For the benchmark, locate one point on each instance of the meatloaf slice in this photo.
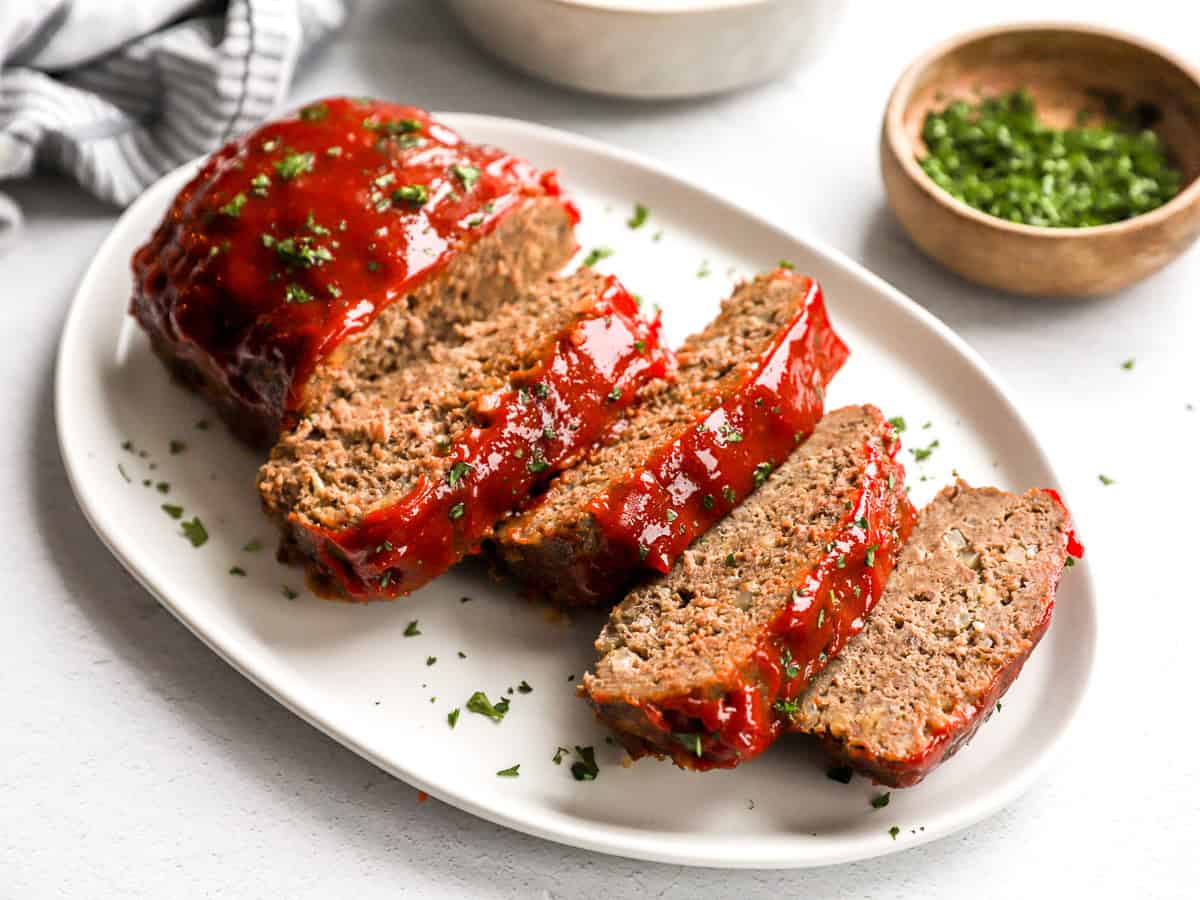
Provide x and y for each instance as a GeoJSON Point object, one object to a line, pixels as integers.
{"type": "Point", "coordinates": [703, 664]}
{"type": "Point", "coordinates": [750, 387]}
{"type": "Point", "coordinates": [970, 597]}
{"type": "Point", "coordinates": [351, 232]}
{"type": "Point", "coordinates": [397, 476]}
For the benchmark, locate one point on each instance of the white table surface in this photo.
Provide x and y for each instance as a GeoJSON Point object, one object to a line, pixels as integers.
{"type": "Point", "coordinates": [133, 762]}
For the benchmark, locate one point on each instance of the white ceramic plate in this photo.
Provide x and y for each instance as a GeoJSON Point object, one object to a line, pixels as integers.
{"type": "Point", "coordinates": [350, 670]}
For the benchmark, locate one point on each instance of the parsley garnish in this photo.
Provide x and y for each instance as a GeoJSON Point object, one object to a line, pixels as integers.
{"type": "Point", "coordinates": [595, 255]}
{"type": "Point", "coordinates": [314, 113]}
{"type": "Point", "coordinates": [923, 453]}
{"type": "Point", "coordinates": [898, 423]}
{"type": "Point", "coordinates": [294, 164]}
{"type": "Point", "coordinates": [1105, 480]}
{"type": "Point", "coordinates": [195, 531]}
{"type": "Point", "coordinates": [510, 772]}
{"type": "Point", "coordinates": [761, 472]}
{"type": "Point", "coordinates": [787, 264]}
{"type": "Point", "coordinates": [234, 207]}
{"type": "Point", "coordinates": [707, 501]}
{"type": "Point", "coordinates": [237, 570]}
{"type": "Point", "coordinates": [430, 660]}
{"type": "Point", "coordinates": [457, 511]}
{"type": "Point", "coordinates": [302, 252]}
{"type": "Point", "coordinates": [536, 464]}
{"type": "Point", "coordinates": [704, 271]}
{"type": "Point", "coordinates": [172, 510]}
{"type": "Point", "coordinates": [790, 668]}
{"type": "Point", "coordinates": [296, 294]}
{"type": "Point", "coordinates": [893, 831]}
{"type": "Point", "coordinates": [289, 593]}
{"type": "Point", "coordinates": [412, 629]}
{"type": "Point", "coordinates": [787, 708]}
{"type": "Point", "coordinates": [881, 801]}
{"type": "Point", "coordinates": [861, 522]}
{"type": "Point", "coordinates": [524, 687]}
{"type": "Point", "coordinates": [467, 175]}
{"type": "Point", "coordinates": [730, 560]}
{"type": "Point", "coordinates": [452, 717]}
{"type": "Point", "coordinates": [413, 194]}
{"type": "Point", "coordinates": [479, 703]}
{"type": "Point", "coordinates": [559, 753]}
{"type": "Point", "coordinates": [615, 394]}
{"type": "Point", "coordinates": [1128, 364]}
{"type": "Point", "coordinates": [870, 557]}
{"type": "Point", "coordinates": [821, 617]}
{"type": "Point", "coordinates": [638, 219]}
{"type": "Point", "coordinates": [840, 774]}
{"type": "Point", "coordinates": [176, 447]}
{"type": "Point", "coordinates": [260, 184]}
{"type": "Point", "coordinates": [124, 474]}
{"type": "Point", "coordinates": [585, 768]}
{"type": "Point", "coordinates": [728, 493]}
{"type": "Point", "coordinates": [691, 741]}
{"type": "Point", "coordinates": [457, 472]}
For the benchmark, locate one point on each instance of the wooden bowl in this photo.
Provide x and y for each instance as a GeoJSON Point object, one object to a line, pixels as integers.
{"type": "Point", "coordinates": [1062, 66]}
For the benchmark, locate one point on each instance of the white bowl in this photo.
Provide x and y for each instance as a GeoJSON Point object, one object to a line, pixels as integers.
{"type": "Point", "coordinates": [651, 49]}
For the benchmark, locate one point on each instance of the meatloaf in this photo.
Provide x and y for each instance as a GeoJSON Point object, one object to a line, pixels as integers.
{"type": "Point", "coordinates": [399, 474]}
{"type": "Point", "coordinates": [703, 664]}
{"type": "Point", "coordinates": [969, 599]}
{"type": "Point", "coordinates": [352, 234]}
{"type": "Point", "coordinates": [749, 388]}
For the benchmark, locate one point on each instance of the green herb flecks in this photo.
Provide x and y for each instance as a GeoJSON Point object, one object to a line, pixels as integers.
{"type": "Point", "coordinates": [295, 293]}
{"type": "Point", "coordinates": [314, 112]}
{"type": "Point", "coordinates": [479, 703]}
{"type": "Point", "coordinates": [452, 717]}
{"type": "Point", "coordinates": [881, 800]}
{"type": "Point", "coordinates": [233, 208]}
{"type": "Point", "coordinates": [639, 217]}
{"type": "Point", "coordinates": [1127, 365]}
{"type": "Point", "coordinates": [559, 754]}
{"type": "Point", "coordinates": [411, 194]}
{"type": "Point", "coordinates": [997, 157]}
{"type": "Point", "coordinates": [524, 687]}
{"type": "Point", "coordinates": [705, 270]}
{"type": "Point", "coordinates": [761, 473]}
{"type": "Point", "coordinates": [172, 510]}
{"type": "Point", "coordinates": [894, 831]}
{"type": "Point", "coordinates": [595, 255]}
{"type": "Point", "coordinates": [467, 176]}
{"type": "Point", "coordinates": [790, 667]}
{"type": "Point", "coordinates": [294, 164]}
{"type": "Point", "coordinates": [585, 768]}
{"type": "Point", "coordinates": [458, 472]}
{"type": "Point", "coordinates": [1105, 480]}
{"type": "Point", "coordinates": [412, 629]}
{"type": "Point", "coordinates": [692, 741]}
{"type": "Point", "coordinates": [195, 531]}
{"type": "Point", "coordinates": [510, 772]}
{"type": "Point", "coordinates": [238, 571]}
{"type": "Point", "coordinates": [302, 252]}
{"type": "Point", "coordinates": [260, 184]}
{"type": "Point", "coordinates": [920, 454]}
{"type": "Point", "coordinates": [870, 557]}
{"type": "Point", "coordinates": [787, 708]}
{"type": "Point", "coordinates": [898, 423]}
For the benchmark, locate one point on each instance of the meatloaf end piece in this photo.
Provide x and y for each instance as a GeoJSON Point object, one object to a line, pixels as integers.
{"type": "Point", "coordinates": [703, 664]}
{"type": "Point", "coordinates": [354, 232]}
{"type": "Point", "coordinates": [969, 599]}
{"type": "Point", "coordinates": [394, 477]}
{"type": "Point", "coordinates": [749, 388]}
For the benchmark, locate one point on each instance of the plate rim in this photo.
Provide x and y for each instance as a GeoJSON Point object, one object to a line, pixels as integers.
{"type": "Point", "coordinates": [800, 851]}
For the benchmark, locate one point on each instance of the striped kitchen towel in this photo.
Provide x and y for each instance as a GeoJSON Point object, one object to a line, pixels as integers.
{"type": "Point", "coordinates": [118, 92]}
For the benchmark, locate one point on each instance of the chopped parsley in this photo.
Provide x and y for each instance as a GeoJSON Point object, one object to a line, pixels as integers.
{"type": "Point", "coordinates": [639, 217]}
{"type": "Point", "coordinates": [761, 472]}
{"type": "Point", "coordinates": [1070, 561]}
{"type": "Point", "coordinates": [294, 164]}
{"type": "Point", "coordinates": [412, 629]}
{"type": "Point", "coordinates": [894, 831]}
{"type": "Point", "coordinates": [176, 447]}
{"type": "Point", "coordinates": [840, 774]}
{"type": "Point", "coordinates": [821, 617]}
{"type": "Point", "coordinates": [614, 395]}
{"type": "Point", "coordinates": [302, 252]}
{"type": "Point", "coordinates": [172, 510]}
{"type": "Point", "coordinates": [510, 772]}
{"type": "Point", "coordinates": [704, 271]}
{"type": "Point", "coordinates": [1105, 480]}
{"type": "Point", "coordinates": [314, 113]}
{"type": "Point", "coordinates": [731, 435]}
{"type": "Point", "coordinates": [707, 501]}
{"type": "Point", "coordinates": [923, 453]}
{"type": "Point", "coordinates": [294, 293]}
{"type": "Point", "coordinates": [234, 207]}
{"type": "Point", "coordinates": [790, 668]}
{"type": "Point", "coordinates": [195, 531]}
{"type": "Point", "coordinates": [289, 593]}
{"type": "Point", "coordinates": [787, 708]}
{"type": "Point", "coordinates": [457, 472]}
{"type": "Point", "coordinates": [585, 768]}
{"type": "Point", "coordinates": [524, 687]}
{"type": "Point", "coordinates": [252, 546]}
{"type": "Point", "coordinates": [452, 717]}
{"type": "Point", "coordinates": [898, 423]}
{"type": "Point", "coordinates": [237, 570]}
{"type": "Point", "coordinates": [412, 194]}
{"type": "Point", "coordinates": [692, 741]}
{"type": "Point", "coordinates": [882, 800]}
{"type": "Point", "coordinates": [861, 522]}
{"type": "Point", "coordinates": [1128, 364]}
{"type": "Point", "coordinates": [467, 175]}
{"type": "Point", "coordinates": [595, 255]}
{"type": "Point", "coordinates": [537, 463]}
{"type": "Point", "coordinates": [787, 264]}
{"type": "Point", "coordinates": [728, 493]}
{"type": "Point", "coordinates": [479, 703]}
{"type": "Point", "coordinates": [731, 560]}
{"type": "Point", "coordinates": [457, 511]}
{"type": "Point", "coordinates": [124, 474]}
{"type": "Point", "coordinates": [841, 561]}
{"type": "Point", "coordinates": [870, 557]}
{"type": "Point", "coordinates": [260, 184]}
{"type": "Point", "coordinates": [559, 754]}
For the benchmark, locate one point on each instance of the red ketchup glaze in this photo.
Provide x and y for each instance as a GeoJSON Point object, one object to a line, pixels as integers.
{"type": "Point", "coordinates": [690, 483]}
{"type": "Point", "coordinates": [296, 236]}
{"type": "Point", "coordinates": [551, 412]}
{"type": "Point", "coordinates": [828, 606]}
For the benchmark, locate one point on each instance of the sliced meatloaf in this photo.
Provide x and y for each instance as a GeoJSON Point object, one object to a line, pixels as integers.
{"type": "Point", "coordinates": [703, 664]}
{"type": "Point", "coordinates": [397, 475]}
{"type": "Point", "coordinates": [749, 388]}
{"type": "Point", "coordinates": [351, 234]}
{"type": "Point", "coordinates": [970, 597]}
